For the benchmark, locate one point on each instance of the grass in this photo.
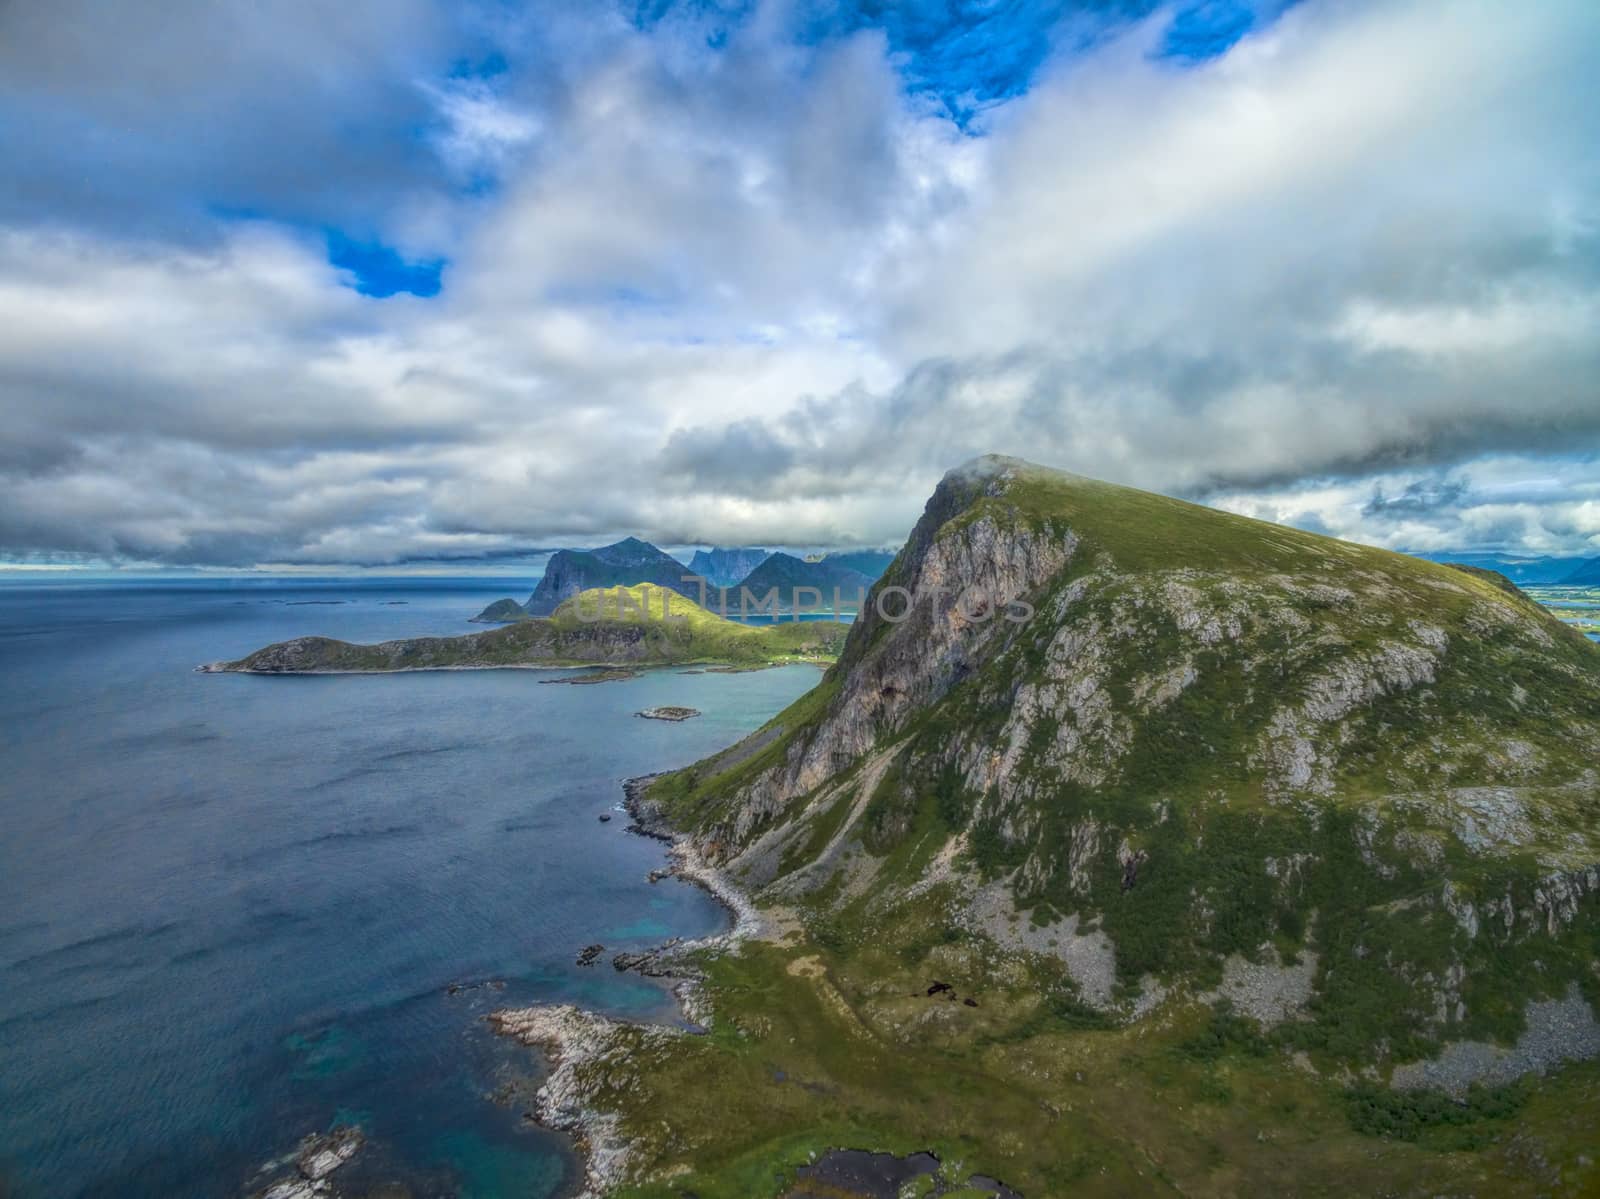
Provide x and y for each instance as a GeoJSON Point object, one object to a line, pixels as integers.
{"type": "Point", "coordinates": [847, 1052]}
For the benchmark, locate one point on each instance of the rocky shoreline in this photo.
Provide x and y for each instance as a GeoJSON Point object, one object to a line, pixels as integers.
{"type": "Point", "coordinates": [574, 1039]}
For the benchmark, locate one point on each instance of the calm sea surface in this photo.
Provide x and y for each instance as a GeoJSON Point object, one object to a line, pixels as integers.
{"type": "Point", "coordinates": [232, 908]}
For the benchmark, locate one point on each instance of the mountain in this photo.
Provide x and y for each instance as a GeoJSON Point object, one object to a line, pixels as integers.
{"type": "Point", "coordinates": [619, 626]}
{"type": "Point", "coordinates": [725, 567]}
{"type": "Point", "coordinates": [1155, 850]}
{"type": "Point", "coordinates": [621, 564]}
{"type": "Point", "coordinates": [1188, 684]}
{"type": "Point", "coordinates": [871, 563]}
{"type": "Point", "coordinates": [1587, 575]}
{"type": "Point", "coordinates": [783, 574]}
{"type": "Point", "coordinates": [502, 611]}
{"type": "Point", "coordinates": [1521, 569]}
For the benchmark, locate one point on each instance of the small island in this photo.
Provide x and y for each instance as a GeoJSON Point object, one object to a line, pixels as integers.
{"type": "Point", "coordinates": [502, 611]}
{"type": "Point", "coordinates": [669, 712]}
{"type": "Point", "coordinates": [620, 627]}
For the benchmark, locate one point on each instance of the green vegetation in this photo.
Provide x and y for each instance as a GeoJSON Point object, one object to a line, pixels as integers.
{"type": "Point", "coordinates": [619, 626]}
{"type": "Point", "coordinates": [1418, 1115]}
{"type": "Point", "coordinates": [815, 1050]}
{"type": "Point", "coordinates": [1220, 745]}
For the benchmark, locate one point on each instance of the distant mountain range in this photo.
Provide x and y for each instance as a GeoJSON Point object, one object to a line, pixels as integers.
{"type": "Point", "coordinates": [871, 563]}
{"type": "Point", "coordinates": [1537, 572]}
{"type": "Point", "coordinates": [785, 575]}
{"type": "Point", "coordinates": [723, 567]}
{"type": "Point", "coordinates": [1587, 574]}
{"type": "Point", "coordinates": [631, 561]}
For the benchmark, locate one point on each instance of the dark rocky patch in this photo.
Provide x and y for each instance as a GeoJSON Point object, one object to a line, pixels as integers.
{"type": "Point", "coordinates": [859, 1174]}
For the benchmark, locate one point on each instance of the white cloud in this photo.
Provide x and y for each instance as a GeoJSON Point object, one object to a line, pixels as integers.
{"type": "Point", "coordinates": [762, 294]}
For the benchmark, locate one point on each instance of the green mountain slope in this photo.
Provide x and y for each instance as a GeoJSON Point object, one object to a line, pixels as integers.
{"type": "Point", "coordinates": [1198, 700]}
{"type": "Point", "coordinates": [619, 626]}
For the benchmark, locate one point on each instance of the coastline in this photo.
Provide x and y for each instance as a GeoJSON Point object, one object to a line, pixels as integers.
{"type": "Point", "coordinates": [574, 1038]}
{"type": "Point", "coordinates": [227, 667]}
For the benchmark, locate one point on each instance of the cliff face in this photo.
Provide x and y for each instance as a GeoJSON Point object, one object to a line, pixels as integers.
{"type": "Point", "coordinates": [1191, 745]}
{"type": "Point", "coordinates": [622, 564]}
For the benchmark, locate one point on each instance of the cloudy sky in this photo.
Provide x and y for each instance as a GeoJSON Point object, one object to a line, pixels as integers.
{"type": "Point", "coordinates": [401, 281]}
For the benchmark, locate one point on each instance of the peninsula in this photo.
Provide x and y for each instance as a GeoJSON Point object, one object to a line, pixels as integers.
{"type": "Point", "coordinates": [634, 626]}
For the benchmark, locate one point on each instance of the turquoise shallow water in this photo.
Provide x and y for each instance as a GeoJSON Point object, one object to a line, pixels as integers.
{"type": "Point", "coordinates": [232, 908]}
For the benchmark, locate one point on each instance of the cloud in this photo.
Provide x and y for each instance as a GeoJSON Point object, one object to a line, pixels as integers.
{"type": "Point", "coordinates": [706, 279]}
{"type": "Point", "coordinates": [121, 117]}
{"type": "Point", "coordinates": [1499, 503]}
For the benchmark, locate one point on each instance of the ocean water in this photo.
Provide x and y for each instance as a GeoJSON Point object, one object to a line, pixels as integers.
{"type": "Point", "coordinates": [232, 908]}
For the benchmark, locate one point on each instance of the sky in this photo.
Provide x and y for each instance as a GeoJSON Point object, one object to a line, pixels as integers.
{"type": "Point", "coordinates": [403, 283]}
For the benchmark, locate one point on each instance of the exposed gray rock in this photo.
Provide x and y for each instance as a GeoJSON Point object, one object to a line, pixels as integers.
{"type": "Point", "coordinates": [1269, 991]}
{"type": "Point", "coordinates": [1558, 1030]}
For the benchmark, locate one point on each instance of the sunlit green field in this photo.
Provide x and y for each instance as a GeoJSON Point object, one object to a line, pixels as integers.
{"type": "Point", "coordinates": [1577, 606]}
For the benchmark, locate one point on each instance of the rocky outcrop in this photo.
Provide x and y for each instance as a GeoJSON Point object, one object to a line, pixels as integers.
{"type": "Point", "coordinates": [313, 1166]}
{"type": "Point", "coordinates": [669, 712]}
{"type": "Point", "coordinates": [580, 1046]}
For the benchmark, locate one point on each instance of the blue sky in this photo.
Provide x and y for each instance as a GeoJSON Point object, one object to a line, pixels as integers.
{"type": "Point", "coordinates": [406, 281]}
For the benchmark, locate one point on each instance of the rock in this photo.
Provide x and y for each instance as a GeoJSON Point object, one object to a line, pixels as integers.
{"type": "Point", "coordinates": [669, 712]}
{"type": "Point", "coordinates": [588, 955]}
{"type": "Point", "coordinates": [605, 817]}
{"type": "Point", "coordinates": [325, 1154]}
{"type": "Point", "coordinates": [660, 962]}
{"type": "Point", "coordinates": [315, 1159]}
{"type": "Point", "coordinates": [295, 1188]}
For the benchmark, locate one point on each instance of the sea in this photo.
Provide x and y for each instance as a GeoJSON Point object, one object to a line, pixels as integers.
{"type": "Point", "coordinates": [235, 910]}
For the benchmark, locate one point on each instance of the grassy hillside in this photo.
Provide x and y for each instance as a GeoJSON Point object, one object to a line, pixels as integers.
{"type": "Point", "coordinates": [618, 626]}
{"type": "Point", "coordinates": [1252, 849]}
